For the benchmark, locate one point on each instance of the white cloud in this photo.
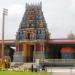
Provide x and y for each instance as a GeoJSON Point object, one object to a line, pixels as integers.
{"type": "Point", "coordinates": [16, 9]}
{"type": "Point", "coordinates": [73, 3]}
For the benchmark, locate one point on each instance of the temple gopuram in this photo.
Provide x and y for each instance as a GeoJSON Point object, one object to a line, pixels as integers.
{"type": "Point", "coordinates": [32, 36]}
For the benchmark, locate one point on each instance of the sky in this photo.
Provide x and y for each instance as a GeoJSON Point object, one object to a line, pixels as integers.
{"type": "Point", "coordinates": [59, 16]}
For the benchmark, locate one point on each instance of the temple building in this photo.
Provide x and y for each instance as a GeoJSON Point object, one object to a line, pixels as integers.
{"type": "Point", "coordinates": [32, 36]}
{"type": "Point", "coordinates": [33, 39]}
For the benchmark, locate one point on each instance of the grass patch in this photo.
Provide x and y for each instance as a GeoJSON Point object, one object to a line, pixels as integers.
{"type": "Point", "coordinates": [23, 73]}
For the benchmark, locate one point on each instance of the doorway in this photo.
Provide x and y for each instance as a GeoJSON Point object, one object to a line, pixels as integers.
{"type": "Point", "coordinates": [31, 55]}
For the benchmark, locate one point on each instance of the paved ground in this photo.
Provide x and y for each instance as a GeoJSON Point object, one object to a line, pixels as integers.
{"type": "Point", "coordinates": [63, 73]}
{"type": "Point", "coordinates": [62, 70]}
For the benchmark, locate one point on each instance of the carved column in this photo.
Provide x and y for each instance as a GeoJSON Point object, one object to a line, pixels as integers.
{"type": "Point", "coordinates": [43, 50]}
{"type": "Point", "coordinates": [34, 52]}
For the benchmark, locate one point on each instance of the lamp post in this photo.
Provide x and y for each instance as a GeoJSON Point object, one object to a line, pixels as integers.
{"type": "Point", "coordinates": [3, 25]}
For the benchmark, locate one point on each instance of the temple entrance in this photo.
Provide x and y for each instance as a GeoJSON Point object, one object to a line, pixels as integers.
{"type": "Point", "coordinates": [31, 55]}
{"type": "Point", "coordinates": [28, 52]}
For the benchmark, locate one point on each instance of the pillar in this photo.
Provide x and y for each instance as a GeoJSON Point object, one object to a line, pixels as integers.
{"type": "Point", "coordinates": [0, 50]}
{"type": "Point", "coordinates": [43, 49]}
{"type": "Point", "coordinates": [34, 52]}
{"type": "Point", "coordinates": [24, 52]}
{"type": "Point", "coordinates": [17, 46]}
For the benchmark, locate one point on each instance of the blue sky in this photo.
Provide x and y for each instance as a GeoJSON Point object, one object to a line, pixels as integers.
{"type": "Point", "coordinates": [59, 16]}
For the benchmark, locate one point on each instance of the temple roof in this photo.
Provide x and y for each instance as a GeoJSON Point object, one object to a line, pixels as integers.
{"type": "Point", "coordinates": [61, 41]}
